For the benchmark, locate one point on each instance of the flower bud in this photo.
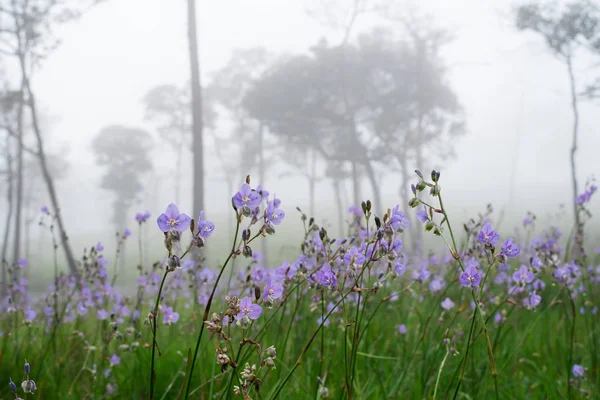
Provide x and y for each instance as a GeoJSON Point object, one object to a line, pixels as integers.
{"type": "Point", "coordinates": [419, 174]}
{"type": "Point", "coordinates": [421, 186]}
{"type": "Point", "coordinates": [414, 202]}
{"type": "Point", "coordinates": [27, 368]}
{"type": "Point", "coordinates": [12, 386]}
{"type": "Point", "coordinates": [429, 226]}
{"type": "Point", "coordinates": [247, 252]}
{"type": "Point", "coordinates": [435, 176]}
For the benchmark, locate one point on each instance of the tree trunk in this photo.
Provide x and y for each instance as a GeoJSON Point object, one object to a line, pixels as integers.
{"type": "Point", "coordinates": [578, 251]}
{"type": "Point", "coordinates": [9, 212]}
{"type": "Point", "coordinates": [46, 173]}
{"type": "Point", "coordinates": [338, 205]}
{"type": "Point", "coordinates": [375, 187]}
{"type": "Point", "coordinates": [197, 136]}
{"type": "Point", "coordinates": [19, 187]}
{"type": "Point", "coordinates": [261, 179]}
{"type": "Point", "coordinates": [355, 184]}
{"type": "Point", "coordinates": [312, 180]}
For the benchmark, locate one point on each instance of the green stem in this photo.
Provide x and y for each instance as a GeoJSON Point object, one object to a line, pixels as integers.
{"type": "Point", "coordinates": [439, 374]}
{"type": "Point", "coordinates": [207, 308]}
{"type": "Point", "coordinates": [154, 318]}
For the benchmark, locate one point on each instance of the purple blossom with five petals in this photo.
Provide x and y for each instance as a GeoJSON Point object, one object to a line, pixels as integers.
{"type": "Point", "coordinates": [273, 214]}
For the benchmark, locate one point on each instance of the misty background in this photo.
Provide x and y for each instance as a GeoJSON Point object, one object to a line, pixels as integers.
{"type": "Point", "coordinates": [122, 58]}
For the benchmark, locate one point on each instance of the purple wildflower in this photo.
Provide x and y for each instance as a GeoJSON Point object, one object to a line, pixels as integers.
{"type": "Point", "coordinates": [246, 197]}
{"type": "Point", "coordinates": [170, 316]}
{"type": "Point", "coordinates": [533, 300]}
{"type": "Point", "coordinates": [470, 277]}
{"type": "Point", "coordinates": [114, 360]}
{"type": "Point", "coordinates": [402, 329]}
{"type": "Point", "coordinates": [510, 249]}
{"type": "Point", "coordinates": [447, 304]}
{"type": "Point", "coordinates": [173, 219]}
{"type": "Point", "coordinates": [398, 219]}
{"type": "Point", "coordinates": [578, 370]}
{"type": "Point", "coordinates": [487, 235]}
{"type": "Point", "coordinates": [248, 309]}
{"type": "Point", "coordinates": [273, 214]}
{"type": "Point", "coordinates": [422, 215]}
{"type": "Point", "coordinates": [142, 217]}
{"type": "Point", "coordinates": [523, 276]}
{"type": "Point", "coordinates": [273, 290]}
{"type": "Point", "coordinates": [205, 228]}
{"type": "Point", "coordinates": [354, 256]}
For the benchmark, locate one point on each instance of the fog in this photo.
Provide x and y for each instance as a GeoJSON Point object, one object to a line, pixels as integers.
{"type": "Point", "coordinates": [514, 93]}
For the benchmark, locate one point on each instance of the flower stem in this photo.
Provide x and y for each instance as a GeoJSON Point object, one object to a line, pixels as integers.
{"type": "Point", "coordinates": [439, 374]}
{"type": "Point", "coordinates": [208, 304]}
{"type": "Point", "coordinates": [154, 317]}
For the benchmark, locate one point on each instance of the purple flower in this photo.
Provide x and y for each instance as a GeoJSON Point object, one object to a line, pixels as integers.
{"type": "Point", "coordinates": [487, 235]}
{"type": "Point", "coordinates": [170, 316]}
{"type": "Point", "coordinates": [246, 197]}
{"type": "Point", "coordinates": [102, 314]}
{"type": "Point", "coordinates": [509, 249]}
{"type": "Point", "coordinates": [470, 277]}
{"type": "Point", "coordinates": [523, 276]}
{"type": "Point", "coordinates": [45, 210]}
{"type": "Point", "coordinates": [142, 217]}
{"type": "Point", "coordinates": [205, 228]}
{"type": "Point", "coordinates": [402, 329]}
{"type": "Point", "coordinates": [325, 276]}
{"type": "Point", "coordinates": [356, 211]}
{"type": "Point", "coordinates": [99, 247]}
{"type": "Point", "coordinates": [264, 194]}
{"type": "Point", "coordinates": [398, 219]}
{"type": "Point", "coordinates": [353, 255]}
{"type": "Point", "coordinates": [114, 360]}
{"type": "Point", "coordinates": [273, 290]}
{"type": "Point", "coordinates": [248, 309]}
{"type": "Point", "coordinates": [172, 219]}
{"type": "Point", "coordinates": [533, 300]}
{"type": "Point", "coordinates": [273, 214]}
{"type": "Point", "coordinates": [578, 370]}
{"type": "Point", "coordinates": [447, 304]}
{"type": "Point", "coordinates": [422, 215]}
{"type": "Point", "coordinates": [126, 233]}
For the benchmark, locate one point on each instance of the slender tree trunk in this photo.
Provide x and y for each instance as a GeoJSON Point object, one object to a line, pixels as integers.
{"type": "Point", "coordinates": [178, 167]}
{"type": "Point", "coordinates": [46, 172]}
{"type": "Point", "coordinates": [338, 204]}
{"type": "Point", "coordinates": [197, 134]}
{"type": "Point", "coordinates": [355, 184]}
{"type": "Point", "coordinates": [9, 212]}
{"type": "Point", "coordinates": [19, 185]}
{"type": "Point", "coordinates": [374, 186]}
{"type": "Point", "coordinates": [261, 179]}
{"type": "Point", "coordinates": [578, 251]}
{"type": "Point", "coordinates": [312, 180]}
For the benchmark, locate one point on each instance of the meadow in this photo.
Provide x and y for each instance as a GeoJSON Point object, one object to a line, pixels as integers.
{"type": "Point", "coordinates": [356, 317]}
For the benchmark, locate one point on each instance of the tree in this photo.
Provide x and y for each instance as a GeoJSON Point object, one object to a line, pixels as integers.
{"type": "Point", "coordinates": [169, 107]}
{"type": "Point", "coordinates": [124, 151]}
{"type": "Point", "coordinates": [196, 107]}
{"type": "Point", "coordinates": [26, 38]}
{"type": "Point", "coordinates": [567, 30]}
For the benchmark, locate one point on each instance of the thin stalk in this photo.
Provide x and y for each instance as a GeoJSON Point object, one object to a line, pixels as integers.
{"type": "Point", "coordinates": [439, 374]}
{"type": "Point", "coordinates": [154, 318]}
{"type": "Point", "coordinates": [207, 308]}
